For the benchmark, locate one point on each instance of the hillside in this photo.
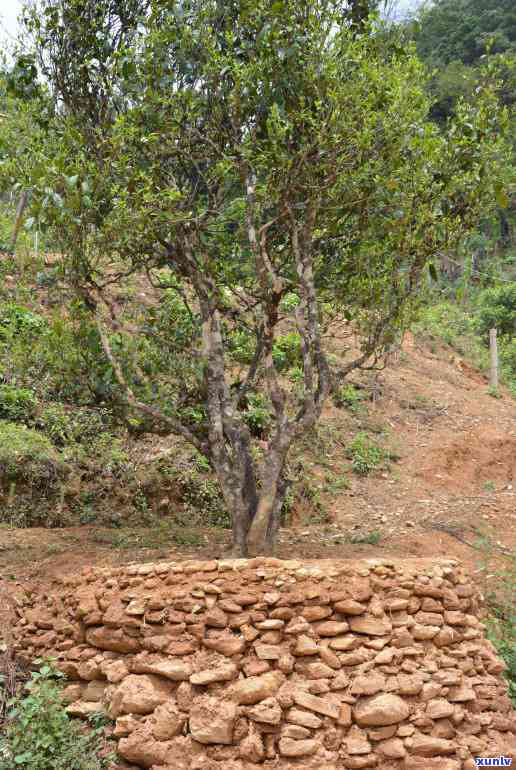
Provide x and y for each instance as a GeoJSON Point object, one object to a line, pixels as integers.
{"type": "Point", "coordinates": [446, 473]}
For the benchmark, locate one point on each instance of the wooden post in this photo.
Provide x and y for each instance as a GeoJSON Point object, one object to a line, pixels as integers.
{"type": "Point", "coordinates": [493, 350]}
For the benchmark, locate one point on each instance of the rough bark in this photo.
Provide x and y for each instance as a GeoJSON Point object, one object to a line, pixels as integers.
{"type": "Point", "coordinates": [20, 211]}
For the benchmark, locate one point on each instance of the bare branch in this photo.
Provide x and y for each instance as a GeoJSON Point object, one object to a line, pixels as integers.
{"type": "Point", "coordinates": [174, 425]}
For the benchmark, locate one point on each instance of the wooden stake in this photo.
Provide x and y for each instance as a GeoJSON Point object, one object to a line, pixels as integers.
{"type": "Point", "coordinates": [493, 350]}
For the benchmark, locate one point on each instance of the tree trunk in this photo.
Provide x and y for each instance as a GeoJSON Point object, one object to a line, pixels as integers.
{"type": "Point", "coordinates": [20, 210]}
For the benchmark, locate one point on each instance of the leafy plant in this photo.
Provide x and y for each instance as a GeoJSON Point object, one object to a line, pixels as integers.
{"type": "Point", "coordinates": [15, 319]}
{"type": "Point", "coordinates": [496, 308]}
{"type": "Point", "coordinates": [349, 396]}
{"type": "Point", "coordinates": [369, 538]}
{"type": "Point", "coordinates": [365, 454]}
{"type": "Point", "coordinates": [498, 568]}
{"type": "Point", "coordinates": [39, 734]}
{"type": "Point", "coordinates": [17, 404]}
{"type": "Point", "coordinates": [286, 352]}
{"type": "Point", "coordinates": [258, 413]}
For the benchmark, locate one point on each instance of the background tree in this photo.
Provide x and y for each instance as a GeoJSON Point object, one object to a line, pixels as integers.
{"type": "Point", "coordinates": [247, 176]}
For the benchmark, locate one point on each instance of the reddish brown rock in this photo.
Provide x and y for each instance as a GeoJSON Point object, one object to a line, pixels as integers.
{"type": "Point", "coordinates": [141, 747]}
{"type": "Point", "coordinates": [166, 721]}
{"type": "Point", "coordinates": [175, 670]}
{"type": "Point", "coordinates": [111, 639]}
{"type": "Point", "coordinates": [252, 748]}
{"type": "Point", "coordinates": [212, 720]}
{"type": "Point", "coordinates": [428, 746]}
{"type": "Point", "coordinates": [319, 705]}
{"type": "Point", "coordinates": [380, 710]}
{"type": "Point", "coordinates": [225, 673]}
{"type": "Point", "coordinates": [226, 645]}
{"type": "Point", "coordinates": [140, 694]}
{"type": "Point", "coordinates": [291, 748]}
{"type": "Point", "coordinates": [350, 607]}
{"type": "Point", "coordinates": [368, 624]}
{"type": "Point", "coordinates": [267, 711]}
{"type": "Point", "coordinates": [331, 628]}
{"type": "Point", "coordinates": [439, 708]}
{"type": "Point", "coordinates": [316, 613]}
{"type": "Point", "coordinates": [256, 688]}
{"type": "Point", "coordinates": [303, 718]}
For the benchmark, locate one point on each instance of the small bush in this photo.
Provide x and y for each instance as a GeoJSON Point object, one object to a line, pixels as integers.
{"type": "Point", "coordinates": [499, 571]}
{"type": "Point", "coordinates": [201, 496]}
{"type": "Point", "coordinates": [369, 538]}
{"type": "Point", "coordinates": [17, 404]}
{"type": "Point", "coordinates": [39, 734]}
{"type": "Point", "coordinates": [29, 457]}
{"type": "Point", "coordinates": [497, 309]}
{"type": "Point", "coordinates": [15, 319]}
{"type": "Point", "coordinates": [350, 397]}
{"type": "Point", "coordinates": [29, 464]}
{"type": "Point", "coordinates": [286, 351]}
{"type": "Point", "coordinates": [365, 455]}
{"type": "Point", "coordinates": [258, 414]}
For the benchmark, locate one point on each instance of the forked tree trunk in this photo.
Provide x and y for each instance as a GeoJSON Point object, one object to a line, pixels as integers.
{"type": "Point", "coordinates": [256, 516]}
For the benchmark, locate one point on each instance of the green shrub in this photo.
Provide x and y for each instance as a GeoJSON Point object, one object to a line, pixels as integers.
{"type": "Point", "coordinates": [289, 302]}
{"type": "Point", "coordinates": [258, 414]}
{"type": "Point", "coordinates": [30, 469]}
{"type": "Point", "coordinates": [286, 351]}
{"type": "Point", "coordinates": [201, 496]}
{"type": "Point", "coordinates": [350, 397]}
{"type": "Point", "coordinates": [369, 538]}
{"type": "Point", "coordinates": [499, 589]}
{"type": "Point", "coordinates": [242, 346]}
{"type": "Point", "coordinates": [15, 319]}
{"type": "Point", "coordinates": [17, 404]}
{"type": "Point", "coordinates": [26, 455]}
{"type": "Point", "coordinates": [39, 734]}
{"type": "Point", "coordinates": [496, 308]}
{"type": "Point", "coordinates": [365, 455]}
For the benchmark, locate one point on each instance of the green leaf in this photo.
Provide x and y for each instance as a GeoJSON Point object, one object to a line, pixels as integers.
{"type": "Point", "coordinates": [432, 271]}
{"type": "Point", "coordinates": [501, 197]}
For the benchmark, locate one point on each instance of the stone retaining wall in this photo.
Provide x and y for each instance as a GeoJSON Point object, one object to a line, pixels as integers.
{"type": "Point", "coordinates": [233, 665]}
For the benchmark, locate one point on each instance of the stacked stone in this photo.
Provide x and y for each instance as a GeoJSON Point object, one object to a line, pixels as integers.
{"type": "Point", "coordinates": [232, 665]}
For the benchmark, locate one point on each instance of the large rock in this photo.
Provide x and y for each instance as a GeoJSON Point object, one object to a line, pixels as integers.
{"type": "Point", "coordinates": [368, 624]}
{"type": "Point", "coordinates": [320, 705]}
{"type": "Point", "coordinates": [224, 673]}
{"type": "Point", "coordinates": [167, 721]}
{"type": "Point", "coordinates": [380, 710]}
{"type": "Point", "coordinates": [439, 708]}
{"type": "Point", "coordinates": [268, 711]}
{"type": "Point", "coordinates": [170, 668]}
{"type": "Point", "coordinates": [254, 689]}
{"type": "Point", "coordinates": [392, 748]}
{"type": "Point", "coordinates": [420, 763]}
{"type": "Point", "coordinates": [303, 719]}
{"type": "Point", "coordinates": [212, 720]}
{"type": "Point", "coordinates": [428, 746]}
{"type": "Point", "coordinates": [291, 748]}
{"type": "Point", "coordinates": [142, 748]}
{"type": "Point", "coordinates": [140, 695]}
{"type": "Point", "coordinates": [112, 639]}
